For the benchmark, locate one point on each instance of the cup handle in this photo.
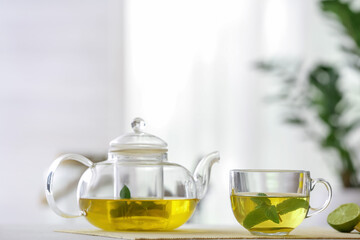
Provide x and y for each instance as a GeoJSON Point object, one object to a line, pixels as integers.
{"type": "Point", "coordinates": [327, 202]}
{"type": "Point", "coordinates": [50, 178]}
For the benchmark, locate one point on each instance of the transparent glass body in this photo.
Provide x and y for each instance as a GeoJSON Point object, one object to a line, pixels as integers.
{"type": "Point", "coordinates": [159, 195]}
{"type": "Point", "coordinates": [144, 179]}
{"type": "Point", "coordinates": [273, 202]}
{"type": "Point", "coordinates": [136, 188]}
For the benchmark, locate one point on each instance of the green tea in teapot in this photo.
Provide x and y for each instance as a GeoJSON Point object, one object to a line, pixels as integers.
{"type": "Point", "coordinates": [269, 213]}
{"type": "Point", "coordinates": [137, 214]}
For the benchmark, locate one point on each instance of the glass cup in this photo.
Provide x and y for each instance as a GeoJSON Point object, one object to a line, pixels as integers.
{"type": "Point", "coordinates": [273, 202]}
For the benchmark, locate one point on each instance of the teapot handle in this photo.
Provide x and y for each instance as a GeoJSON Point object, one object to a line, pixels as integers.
{"type": "Point", "coordinates": [50, 178]}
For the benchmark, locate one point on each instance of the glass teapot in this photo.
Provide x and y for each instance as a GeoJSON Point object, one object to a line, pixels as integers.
{"type": "Point", "coordinates": [136, 188]}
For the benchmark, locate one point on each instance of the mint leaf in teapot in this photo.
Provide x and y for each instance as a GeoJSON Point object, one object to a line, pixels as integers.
{"type": "Point", "coordinates": [125, 193]}
{"type": "Point", "coordinates": [120, 210]}
{"type": "Point", "coordinates": [291, 204]}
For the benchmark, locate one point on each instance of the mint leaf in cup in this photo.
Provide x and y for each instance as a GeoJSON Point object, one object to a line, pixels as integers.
{"type": "Point", "coordinates": [272, 214]}
{"type": "Point", "coordinates": [291, 204]}
{"type": "Point", "coordinates": [265, 211]}
{"type": "Point", "coordinates": [261, 200]}
{"type": "Point", "coordinates": [255, 217]}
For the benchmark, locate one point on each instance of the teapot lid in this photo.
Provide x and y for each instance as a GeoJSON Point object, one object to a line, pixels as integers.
{"type": "Point", "coordinates": [138, 140]}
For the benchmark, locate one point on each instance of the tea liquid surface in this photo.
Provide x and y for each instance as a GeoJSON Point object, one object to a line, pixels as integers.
{"type": "Point", "coordinates": [271, 213]}
{"type": "Point", "coordinates": [137, 214]}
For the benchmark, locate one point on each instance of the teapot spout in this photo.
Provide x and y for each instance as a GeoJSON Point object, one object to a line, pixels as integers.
{"type": "Point", "coordinates": [202, 173]}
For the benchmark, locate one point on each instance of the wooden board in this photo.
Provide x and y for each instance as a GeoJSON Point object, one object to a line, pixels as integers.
{"type": "Point", "coordinates": [219, 233]}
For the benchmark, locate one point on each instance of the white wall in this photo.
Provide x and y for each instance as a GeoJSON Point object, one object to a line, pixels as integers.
{"type": "Point", "coordinates": [60, 78]}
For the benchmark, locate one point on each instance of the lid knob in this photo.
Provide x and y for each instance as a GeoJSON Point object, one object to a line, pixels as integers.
{"type": "Point", "coordinates": [138, 141]}
{"type": "Point", "coordinates": [138, 125]}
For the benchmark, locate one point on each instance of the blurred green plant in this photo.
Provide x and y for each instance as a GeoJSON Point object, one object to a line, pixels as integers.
{"type": "Point", "coordinates": [320, 95]}
{"type": "Point", "coordinates": [349, 22]}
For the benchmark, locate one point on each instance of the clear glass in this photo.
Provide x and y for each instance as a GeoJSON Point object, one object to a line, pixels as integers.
{"type": "Point", "coordinates": [129, 192]}
{"type": "Point", "coordinates": [136, 188]}
{"type": "Point", "coordinates": [159, 196]}
{"type": "Point", "coordinates": [138, 140]}
{"type": "Point", "coordinates": [273, 202]}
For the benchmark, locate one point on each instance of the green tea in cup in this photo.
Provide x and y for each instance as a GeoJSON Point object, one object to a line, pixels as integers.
{"type": "Point", "coordinates": [272, 202]}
